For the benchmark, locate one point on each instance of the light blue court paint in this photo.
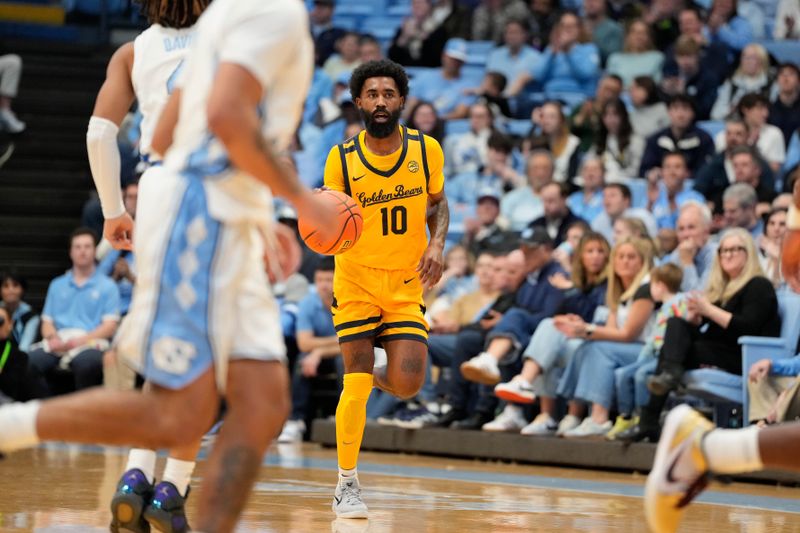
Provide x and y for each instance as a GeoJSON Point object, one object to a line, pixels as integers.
{"type": "Point", "coordinates": [606, 488]}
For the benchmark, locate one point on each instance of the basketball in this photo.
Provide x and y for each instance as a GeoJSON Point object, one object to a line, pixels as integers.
{"type": "Point", "coordinates": [349, 223]}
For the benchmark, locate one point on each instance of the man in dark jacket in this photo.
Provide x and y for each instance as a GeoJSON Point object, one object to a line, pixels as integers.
{"type": "Point", "coordinates": [323, 31]}
{"type": "Point", "coordinates": [536, 299]}
{"type": "Point", "coordinates": [682, 135]}
{"type": "Point", "coordinates": [557, 217]}
{"type": "Point", "coordinates": [716, 175]}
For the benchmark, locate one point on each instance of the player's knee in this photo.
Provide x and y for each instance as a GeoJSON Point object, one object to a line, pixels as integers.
{"type": "Point", "coordinates": [407, 388]}
{"type": "Point", "coordinates": [185, 424]}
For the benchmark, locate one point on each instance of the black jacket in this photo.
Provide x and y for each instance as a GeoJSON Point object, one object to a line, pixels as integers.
{"type": "Point", "coordinates": [566, 222]}
{"type": "Point", "coordinates": [13, 374]}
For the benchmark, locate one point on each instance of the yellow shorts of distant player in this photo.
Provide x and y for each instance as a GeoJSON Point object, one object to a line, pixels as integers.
{"type": "Point", "coordinates": [377, 303]}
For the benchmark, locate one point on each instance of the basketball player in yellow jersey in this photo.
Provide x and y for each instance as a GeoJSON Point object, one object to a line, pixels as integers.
{"type": "Point", "coordinates": [395, 175]}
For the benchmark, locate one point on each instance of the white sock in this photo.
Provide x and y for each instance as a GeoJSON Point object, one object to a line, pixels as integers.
{"type": "Point", "coordinates": [18, 426]}
{"type": "Point", "coordinates": [344, 473]}
{"type": "Point", "coordinates": [179, 473]}
{"type": "Point", "coordinates": [144, 460]}
{"type": "Point", "coordinates": [732, 451]}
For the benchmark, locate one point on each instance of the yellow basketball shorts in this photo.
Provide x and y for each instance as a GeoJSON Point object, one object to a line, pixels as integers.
{"type": "Point", "coordinates": [376, 303]}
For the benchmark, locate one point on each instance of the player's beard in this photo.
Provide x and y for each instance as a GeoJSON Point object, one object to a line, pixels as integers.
{"type": "Point", "coordinates": [380, 130]}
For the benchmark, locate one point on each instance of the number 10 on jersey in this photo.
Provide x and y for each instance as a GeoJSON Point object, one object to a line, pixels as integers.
{"type": "Point", "coordinates": [395, 219]}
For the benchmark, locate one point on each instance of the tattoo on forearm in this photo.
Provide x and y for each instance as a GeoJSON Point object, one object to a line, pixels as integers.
{"type": "Point", "coordinates": [238, 470]}
{"type": "Point", "coordinates": [439, 220]}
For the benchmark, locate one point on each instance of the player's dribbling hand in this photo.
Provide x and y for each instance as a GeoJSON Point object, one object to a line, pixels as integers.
{"type": "Point", "coordinates": [318, 213]}
{"type": "Point", "coordinates": [119, 232]}
{"type": "Point", "coordinates": [431, 266]}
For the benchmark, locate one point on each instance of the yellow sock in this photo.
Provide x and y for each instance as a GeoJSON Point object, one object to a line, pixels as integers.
{"type": "Point", "coordinates": [351, 416]}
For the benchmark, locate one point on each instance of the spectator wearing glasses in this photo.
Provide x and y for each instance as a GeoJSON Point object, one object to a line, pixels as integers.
{"type": "Point", "coordinates": [739, 301]}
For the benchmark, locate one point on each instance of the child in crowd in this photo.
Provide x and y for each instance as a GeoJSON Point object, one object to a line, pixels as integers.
{"type": "Point", "coordinates": [631, 380]}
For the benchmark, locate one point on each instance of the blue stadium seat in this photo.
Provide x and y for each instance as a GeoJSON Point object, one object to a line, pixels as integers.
{"type": "Point", "coordinates": [722, 388]}
{"type": "Point", "coordinates": [400, 10]}
{"type": "Point", "coordinates": [712, 127]}
{"type": "Point", "coordinates": [346, 23]}
{"type": "Point", "coordinates": [519, 127]}
{"type": "Point", "coordinates": [473, 73]}
{"type": "Point", "coordinates": [784, 51]}
{"type": "Point", "coordinates": [349, 9]}
{"type": "Point", "coordinates": [382, 27]}
{"type": "Point", "coordinates": [478, 52]}
{"type": "Point", "coordinates": [456, 126]}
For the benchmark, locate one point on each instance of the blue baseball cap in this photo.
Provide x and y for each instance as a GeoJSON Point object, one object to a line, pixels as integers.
{"type": "Point", "coordinates": [456, 48]}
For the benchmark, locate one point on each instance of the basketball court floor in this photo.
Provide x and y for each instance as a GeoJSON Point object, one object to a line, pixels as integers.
{"type": "Point", "coordinates": [59, 488]}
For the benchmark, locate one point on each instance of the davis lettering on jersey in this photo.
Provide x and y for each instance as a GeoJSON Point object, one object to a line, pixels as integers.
{"type": "Point", "coordinates": [381, 198]}
{"type": "Point", "coordinates": [177, 43]}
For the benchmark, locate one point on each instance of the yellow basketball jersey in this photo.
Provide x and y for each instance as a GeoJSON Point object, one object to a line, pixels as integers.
{"type": "Point", "coordinates": [392, 192]}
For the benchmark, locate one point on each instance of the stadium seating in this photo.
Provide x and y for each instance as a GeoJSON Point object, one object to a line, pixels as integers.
{"type": "Point", "coordinates": [722, 388]}
{"type": "Point", "coordinates": [784, 51]}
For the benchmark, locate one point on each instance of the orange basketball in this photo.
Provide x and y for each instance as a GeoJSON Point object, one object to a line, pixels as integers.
{"type": "Point", "coordinates": [349, 223]}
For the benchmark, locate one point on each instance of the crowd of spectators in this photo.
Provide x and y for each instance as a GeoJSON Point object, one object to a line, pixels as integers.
{"type": "Point", "coordinates": [617, 174]}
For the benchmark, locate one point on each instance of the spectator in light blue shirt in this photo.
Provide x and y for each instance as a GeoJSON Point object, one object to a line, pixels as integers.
{"type": "Point", "coordinates": [588, 202]}
{"type": "Point", "coordinates": [120, 265]}
{"type": "Point", "coordinates": [571, 64]}
{"type": "Point", "coordinates": [446, 87]}
{"type": "Point", "coordinates": [670, 190]}
{"type": "Point", "coordinates": [617, 204]}
{"type": "Point", "coordinates": [523, 205]}
{"type": "Point", "coordinates": [498, 174]}
{"type": "Point", "coordinates": [725, 26]}
{"type": "Point", "coordinates": [80, 316]}
{"type": "Point", "coordinates": [515, 59]}
{"type": "Point", "coordinates": [696, 251]}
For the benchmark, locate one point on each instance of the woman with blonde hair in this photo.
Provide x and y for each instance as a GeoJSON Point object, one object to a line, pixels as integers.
{"type": "Point", "coordinates": [752, 76]}
{"type": "Point", "coordinates": [639, 56]}
{"type": "Point", "coordinates": [589, 376]}
{"type": "Point", "coordinates": [739, 301]}
{"type": "Point", "coordinates": [548, 348]}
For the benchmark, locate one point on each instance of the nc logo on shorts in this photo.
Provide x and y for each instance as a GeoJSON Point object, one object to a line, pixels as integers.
{"type": "Point", "coordinates": [413, 166]}
{"type": "Point", "coordinates": [173, 355]}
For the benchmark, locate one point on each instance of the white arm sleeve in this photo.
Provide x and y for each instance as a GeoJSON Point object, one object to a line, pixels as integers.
{"type": "Point", "coordinates": [101, 143]}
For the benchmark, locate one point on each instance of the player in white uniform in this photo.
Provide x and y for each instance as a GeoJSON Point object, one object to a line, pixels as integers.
{"type": "Point", "coordinates": [202, 319]}
{"type": "Point", "coordinates": [145, 70]}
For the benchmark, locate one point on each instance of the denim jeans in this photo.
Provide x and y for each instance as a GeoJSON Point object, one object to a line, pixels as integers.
{"type": "Point", "coordinates": [552, 351]}
{"type": "Point", "coordinates": [631, 383]}
{"type": "Point", "coordinates": [598, 361]}
{"type": "Point", "coordinates": [440, 353]}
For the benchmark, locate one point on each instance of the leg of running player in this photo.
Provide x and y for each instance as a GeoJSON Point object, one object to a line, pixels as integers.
{"type": "Point", "coordinates": [351, 416]}
{"type": "Point", "coordinates": [405, 369]}
{"type": "Point", "coordinates": [690, 447]}
{"type": "Point", "coordinates": [100, 416]}
{"type": "Point", "coordinates": [258, 404]}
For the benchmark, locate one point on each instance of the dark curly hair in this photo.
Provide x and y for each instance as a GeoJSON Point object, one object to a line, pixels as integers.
{"type": "Point", "coordinates": [378, 69]}
{"type": "Point", "coordinates": [173, 13]}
